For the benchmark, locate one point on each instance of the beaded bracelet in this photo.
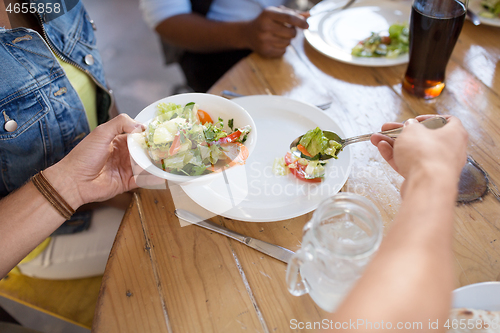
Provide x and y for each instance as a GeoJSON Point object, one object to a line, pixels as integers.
{"type": "Point", "coordinates": [49, 192]}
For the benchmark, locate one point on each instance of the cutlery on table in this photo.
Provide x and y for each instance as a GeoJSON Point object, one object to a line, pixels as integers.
{"type": "Point", "coordinates": [232, 94]}
{"type": "Point", "coordinates": [271, 250]}
{"type": "Point", "coordinates": [431, 123]}
{"type": "Point", "coordinates": [473, 17]}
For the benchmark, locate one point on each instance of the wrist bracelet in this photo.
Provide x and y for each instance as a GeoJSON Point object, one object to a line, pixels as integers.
{"type": "Point", "coordinates": [45, 188]}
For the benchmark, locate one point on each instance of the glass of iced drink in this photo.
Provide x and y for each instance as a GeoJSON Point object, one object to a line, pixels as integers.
{"type": "Point", "coordinates": [337, 244]}
{"type": "Point", "coordinates": [434, 29]}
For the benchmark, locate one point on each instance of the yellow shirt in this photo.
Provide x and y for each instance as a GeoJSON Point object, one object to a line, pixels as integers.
{"type": "Point", "coordinates": [86, 89]}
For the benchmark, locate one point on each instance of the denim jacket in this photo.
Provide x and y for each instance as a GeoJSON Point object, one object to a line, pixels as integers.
{"type": "Point", "coordinates": [36, 94]}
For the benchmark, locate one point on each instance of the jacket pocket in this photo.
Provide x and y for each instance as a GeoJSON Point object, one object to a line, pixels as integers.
{"type": "Point", "coordinates": [23, 151]}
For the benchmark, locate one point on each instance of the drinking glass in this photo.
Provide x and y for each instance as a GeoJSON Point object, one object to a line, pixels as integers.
{"type": "Point", "coordinates": [338, 242]}
{"type": "Point", "coordinates": [434, 29]}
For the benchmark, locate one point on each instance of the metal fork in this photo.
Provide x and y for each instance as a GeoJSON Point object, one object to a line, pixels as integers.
{"type": "Point", "coordinates": [232, 94]}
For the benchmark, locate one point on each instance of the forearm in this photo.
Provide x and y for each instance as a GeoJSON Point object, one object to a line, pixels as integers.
{"type": "Point", "coordinates": [411, 277]}
{"type": "Point", "coordinates": [195, 33]}
{"type": "Point", "coordinates": [28, 218]}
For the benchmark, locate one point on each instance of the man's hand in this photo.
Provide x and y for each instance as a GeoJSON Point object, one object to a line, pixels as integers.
{"type": "Point", "coordinates": [420, 148]}
{"type": "Point", "coordinates": [270, 33]}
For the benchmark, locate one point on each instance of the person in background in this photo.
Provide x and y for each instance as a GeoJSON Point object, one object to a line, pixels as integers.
{"type": "Point", "coordinates": [52, 94]}
{"type": "Point", "coordinates": [207, 38]}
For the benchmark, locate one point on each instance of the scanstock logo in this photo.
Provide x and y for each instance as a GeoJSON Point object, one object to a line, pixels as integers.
{"type": "Point", "coordinates": [62, 6]}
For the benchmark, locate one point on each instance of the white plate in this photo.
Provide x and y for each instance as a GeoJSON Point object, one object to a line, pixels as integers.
{"type": "Point", "coordinates": [475, 6]}
{"type": "Point", "coordinates": [254, 193]}
{"type": "Point", "coordinates": [480, 296]}
{"type": "Point", "coordinates": [335, 33]}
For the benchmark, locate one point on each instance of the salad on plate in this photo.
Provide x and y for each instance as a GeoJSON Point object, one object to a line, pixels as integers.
{"type": "Point", "coordinates": [491, 9]}
{"type": "Point", "coordinates": [303, 161]}
{"type": "Point", "coordinates": [389, 44]}
{"type": "Point", "coordinates": [184, 140]}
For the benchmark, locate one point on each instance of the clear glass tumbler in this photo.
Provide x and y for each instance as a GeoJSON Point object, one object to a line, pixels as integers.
{"type": "Point", "coordinates": [434, 29]}
{"type": "Point", "coordinates": [338, 242]}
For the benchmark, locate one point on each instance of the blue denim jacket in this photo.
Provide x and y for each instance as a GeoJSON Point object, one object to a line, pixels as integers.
{"type": "Point", "coordinates": [35, 92]}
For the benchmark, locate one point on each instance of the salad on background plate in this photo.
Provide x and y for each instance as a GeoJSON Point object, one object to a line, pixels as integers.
{"type": "Point", "coordinates": [488, 11]}
{"type": "Point", "coordinates": [390, 44]}
{"type": "Point", "coordinates": [491, 9]}
{"type": "Point", "coordinates": [184, 140]}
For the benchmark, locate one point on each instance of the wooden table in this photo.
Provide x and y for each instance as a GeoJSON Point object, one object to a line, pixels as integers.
{"type": "Point", "coordinates": [161, 277]}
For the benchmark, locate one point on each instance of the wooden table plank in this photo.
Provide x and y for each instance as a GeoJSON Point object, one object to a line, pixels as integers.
{"type": "Point", "coordinates": [129, 291]}
{"type": "Point", "coordinates": [478, 52]}
{"type": "Point", "coordinates": [199, 271]}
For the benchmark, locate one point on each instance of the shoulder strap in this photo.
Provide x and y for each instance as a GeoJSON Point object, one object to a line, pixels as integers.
{"type": "Point", "coordinates": [4, 18]}
{"type": "Point", "coordinates": [201, 6]}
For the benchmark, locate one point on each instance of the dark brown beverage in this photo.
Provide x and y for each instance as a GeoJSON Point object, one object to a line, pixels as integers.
{"type": "Point", "coordinates": [434, 30]}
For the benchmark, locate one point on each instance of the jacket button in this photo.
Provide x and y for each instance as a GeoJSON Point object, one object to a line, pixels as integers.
{"type": "Point", "coordinates": [10, 126]}
{"type": "Point", "coordinates": [93, 24]}
{"type": "Point", "coordinates": [89, 59]}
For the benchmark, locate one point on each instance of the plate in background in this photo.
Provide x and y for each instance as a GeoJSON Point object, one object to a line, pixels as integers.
{"type": "Point", "coordinates": [335, 33]}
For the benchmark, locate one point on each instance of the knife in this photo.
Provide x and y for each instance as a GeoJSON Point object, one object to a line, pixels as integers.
{"type": "Point", "coordinates": [271, 250]}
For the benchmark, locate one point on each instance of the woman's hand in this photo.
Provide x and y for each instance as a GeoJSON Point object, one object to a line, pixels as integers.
{"type": "Point", "coordinates": [98, 168]}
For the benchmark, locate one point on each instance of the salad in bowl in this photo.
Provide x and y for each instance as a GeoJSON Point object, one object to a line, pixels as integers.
{"type": "Point", "coordinates": [192, 136]}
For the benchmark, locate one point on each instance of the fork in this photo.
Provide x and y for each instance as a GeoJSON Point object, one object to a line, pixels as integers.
{"type": "Point", "coordinates": [232, 94]}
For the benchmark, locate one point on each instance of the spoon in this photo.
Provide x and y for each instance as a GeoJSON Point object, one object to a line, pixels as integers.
{"type": "Point", "coordinates": [475, 183]}
{"type": "Point", "coordinates": [431, 123]}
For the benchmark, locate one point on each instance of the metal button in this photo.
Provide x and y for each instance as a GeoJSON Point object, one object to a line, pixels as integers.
{"type": "Point", "coordinates": [93, 24]}
{"type": "Point", "coordinates": [89, 59]}
{"type": "Point", "coordinates": [10, 126]}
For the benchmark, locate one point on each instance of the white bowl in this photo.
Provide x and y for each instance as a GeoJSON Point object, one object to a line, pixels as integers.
{"type": "Point", "coordinates": [482, 296]}
{"type": "Point", "coordinates": [215, 106]}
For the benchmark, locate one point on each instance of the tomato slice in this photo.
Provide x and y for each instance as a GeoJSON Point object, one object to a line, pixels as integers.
{"type": "Point", "coordinates": [236, 154]}
{"type": "Point", "coordinates": [289, 159]}
{"type": "Point", "coordinates": [385, 40]}
{"type": "Point", "coordinates": [230, 138]}
{"type": "Point", "coordinates": [303, 150]}
{"type": "Point", "coordinates": [298, 170]}
{"type": "Point", "coordinates": [176, 145]}
{"type": "Point", "coordinates": [204, 117]}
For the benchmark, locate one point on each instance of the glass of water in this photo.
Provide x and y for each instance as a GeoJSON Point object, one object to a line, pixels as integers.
{"type": "Point", "coordinates": [338, 242]}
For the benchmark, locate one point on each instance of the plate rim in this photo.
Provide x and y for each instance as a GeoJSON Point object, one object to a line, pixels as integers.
{"type": "Point", "coordinates": [346, 151]}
